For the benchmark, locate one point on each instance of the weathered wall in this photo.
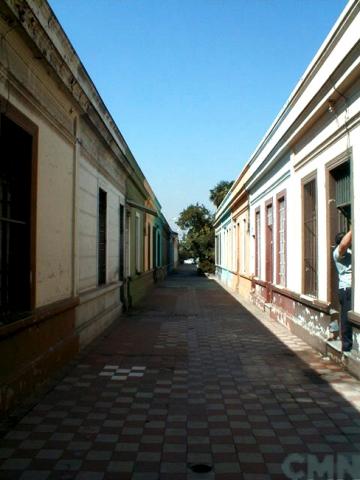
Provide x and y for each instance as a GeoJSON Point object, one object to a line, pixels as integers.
{"type": "Point", "coordinates": [54, 217]}
{"type": "Point", "coordinates": [90, 180]}
{"type": "Point", "coordinates": [55, 144]}
{"type": "Point", "coordinates": [33, 350]}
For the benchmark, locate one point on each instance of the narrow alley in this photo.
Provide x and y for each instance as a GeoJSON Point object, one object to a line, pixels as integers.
{"type": "Point", "coordinates": [190, 385]}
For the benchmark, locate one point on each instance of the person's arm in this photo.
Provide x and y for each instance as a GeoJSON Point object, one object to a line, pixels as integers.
{"type": "Point", "coordinates": [345, 243]}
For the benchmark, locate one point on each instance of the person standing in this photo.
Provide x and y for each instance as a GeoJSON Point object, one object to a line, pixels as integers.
{"type": "Point", "coordinates": [342, 258]}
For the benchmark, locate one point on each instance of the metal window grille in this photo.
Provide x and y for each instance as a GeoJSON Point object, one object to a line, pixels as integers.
{"type": "Point", "coordinates": [282, 243]}
{"type": "Point", "coordinates": [102, 237]}
{"type": "Point", "coordinates": [158, 249]}
{"type": "Point", "coordinates": [343, 185]}
{"type": "Point", "coordinates": [310, 239]}
{"type": "Point", "coordinates": [137, 243]}
{"type": "Point", "coordinates": [269, 216]}
{"type": "Point", "coordinates": [149, 246]}
{"type": "Point", "coordinates": [257, 246]}
{"type": "Point", "coordinates": [121, 244]}
{"type": "Point", "coordinates": [269, 243]}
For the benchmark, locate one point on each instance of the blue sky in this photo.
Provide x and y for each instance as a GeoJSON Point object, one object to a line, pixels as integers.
{"type": "Point", "coordinates": [193, 85]}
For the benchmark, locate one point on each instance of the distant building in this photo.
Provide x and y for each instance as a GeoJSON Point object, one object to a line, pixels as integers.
{"type": "Point", "coordinates": [82, 235]}
{"type": "Point", "coordinates": [275, 229]}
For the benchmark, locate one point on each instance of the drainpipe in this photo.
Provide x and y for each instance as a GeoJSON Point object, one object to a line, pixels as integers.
{"type": "Point", "coordinates": [75, 240]}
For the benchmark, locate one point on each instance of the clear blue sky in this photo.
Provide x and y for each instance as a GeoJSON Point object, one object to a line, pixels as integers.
{"type": "Point", "coordinates": [193, 85]}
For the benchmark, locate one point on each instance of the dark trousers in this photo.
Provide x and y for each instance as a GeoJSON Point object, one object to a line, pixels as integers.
{"type": "Point", "coordinates": [345, 325]}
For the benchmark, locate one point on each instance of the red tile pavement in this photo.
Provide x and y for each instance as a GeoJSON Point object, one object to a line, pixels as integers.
{"type": "Point", "coordinates": [190, 378]}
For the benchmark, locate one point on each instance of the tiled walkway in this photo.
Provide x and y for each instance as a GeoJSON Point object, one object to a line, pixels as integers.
{"type": "Point", "coordinates": [190, 380]}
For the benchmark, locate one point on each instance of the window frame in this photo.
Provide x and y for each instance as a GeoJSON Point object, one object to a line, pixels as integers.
{"type": "Point", "coordinates": [137, 243]}
{"type": "Point", "coordinates": [281, 197]}
{"type": "Point", "coordinates": [305, 182]}
{"type": "Point", "coordinates": [269, 250]}
{"type": "Point", "coordinates": [22, 121]}
{"type": "Point", "coordinates": [258, 242]}
{"type": "Point", "coordinates": [102, 256]}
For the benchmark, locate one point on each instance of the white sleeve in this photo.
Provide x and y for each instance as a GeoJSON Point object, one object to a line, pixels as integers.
{"type": "Point", "coordinates": [336, 254]}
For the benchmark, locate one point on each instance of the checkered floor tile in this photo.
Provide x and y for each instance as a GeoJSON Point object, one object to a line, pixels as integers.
{"type": "Point", "coordinates": [116, 373]}
{"type": "Point", "coordinates": [189, 385]}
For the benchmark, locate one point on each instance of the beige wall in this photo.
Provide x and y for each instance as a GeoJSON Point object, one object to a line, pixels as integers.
{"type": "Point", "coordinates": [36, 96]}
{"type": "Point", "coordinates": [54, 217]}
{"type": "Point", "coordinates": [90, 180]}
{"type": "Point", "coordinates": [87, 221]}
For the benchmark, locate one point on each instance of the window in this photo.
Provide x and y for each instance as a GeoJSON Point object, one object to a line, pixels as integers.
{"type": "Point", "coordinates": [158, 248]}
{"type": "Point", "coordinates": [229, 247]}
{"type": "Point", "coordinates": [343, 189]}
{"type": "Point", "coordinates": [231, 233]}
{"type": "Point", "coordinates": [234, 248]}
{"type": "Point", "coordinates": [102, 237]}
{"type": "Point", "coordinates": [243, 253]}
{"type": "Point", "coordinates": [281, 241]}
{"type": "Point", "coordinates": [237, 255]}
{"type": "Point", "coordinates": [137, 243]}
{"type": "Point", "coordinates": [269, 242]}
{"type": "Point", "coordinates": [149, 246]}
{"type": "Point", "coordinates": [221, 248]}
{"type": "Point", "coordinates": [310, 238]}
{"type": "Point", "coordinates": [121, 243]}
{"type": "Point", "coordinates": [15, 221]}
{"type": "Point", "coordinates": [154, 246]}
{"type": "Point", "coordinates": [129, 265]}
{"type": "Point", "coordinates": [216, 249]}
{"type": "Point", "coordinates": [342, 183]}
{"type": "Point", "coordinates": [339, 214]}
{"type": "Point", "coordinates": [257, 243]}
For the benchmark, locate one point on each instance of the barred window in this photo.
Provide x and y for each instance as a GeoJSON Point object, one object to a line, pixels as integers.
{"type": "Point", "coordinates": [121, 243]}
{"type": "Point", "coordinates": [102, 237]}
{"type": "Point", "coordinates": [269, 242]}
{"type": "Point", "coordinates": [137, 243]}
{"type": "Point", "coordinates": [257, 244]}
{"type": "Point", "coordinates": [281, 244]}
{"type": "Point", "coordinates": [310, 238]}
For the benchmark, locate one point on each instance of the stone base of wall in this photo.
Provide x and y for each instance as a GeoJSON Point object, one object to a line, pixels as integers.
{"type": "Point", "coordinates": [97, 310]}
{"type": "Point", "coordinates": [244, 287]}
{"type": "Point", "coordinates": [311, 326]}
{"type": "Point", "coordinates": [236, 283]}
{"type": "Point", "coordinates": [302, 327]}
{"type": "Point", "coordinates": [35, 348]}
{"type": "Point", "coordinates": [142, 284]}
{"type": "Point", "coordinates": [139, 286]}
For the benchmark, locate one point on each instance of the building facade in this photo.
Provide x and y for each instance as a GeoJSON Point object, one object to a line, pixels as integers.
{"type": "Point", "coordinates": [301, 189]}
{"type": "Point", "coordinates": [80, 227]}
{"type": "Point", "coordinates": [232, 237]}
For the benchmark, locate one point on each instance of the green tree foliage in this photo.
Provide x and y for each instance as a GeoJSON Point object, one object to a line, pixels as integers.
{"type": "Point", "coordinates": [199, 239]}
{"type": "Point", "coordinates": [218, 193]}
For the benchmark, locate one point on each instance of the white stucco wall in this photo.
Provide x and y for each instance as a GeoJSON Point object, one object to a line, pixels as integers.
{"type": "Point", "coordinates": [323, 144]}
{"type": "Point", "coordinates": [276, 182]}
{"type": "Point", "coordinates": [90, 180]}
{"type": "Point", "coordinates": [356, 206]}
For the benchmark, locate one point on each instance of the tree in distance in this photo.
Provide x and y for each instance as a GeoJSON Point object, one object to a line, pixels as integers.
{"type": "Point", "coordinates": [196, 221]}
{"type": "Point", "coordinates": [199, 239]}
{"type": "Point", "coordinates": [218, 193]}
